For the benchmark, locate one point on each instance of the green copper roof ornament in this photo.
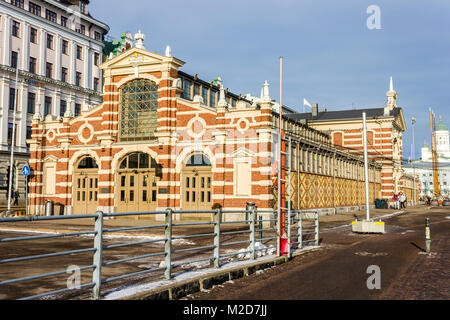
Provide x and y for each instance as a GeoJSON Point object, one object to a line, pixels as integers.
{"type": "Point", "coordinates": [441, 126]}
{"type": "Point", "coordinates": [217, 81]}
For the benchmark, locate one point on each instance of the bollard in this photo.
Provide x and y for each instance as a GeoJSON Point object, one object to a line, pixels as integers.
{"type": "Point", "coordinates": [217, 219]}
{"type": "Point", "coordinates": [168, 245]}
{"type": "Point", "coordinates": [427, 234]}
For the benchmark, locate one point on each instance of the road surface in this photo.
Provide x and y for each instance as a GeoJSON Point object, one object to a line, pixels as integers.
{"type": "Point", "coordinates": [339, 271]}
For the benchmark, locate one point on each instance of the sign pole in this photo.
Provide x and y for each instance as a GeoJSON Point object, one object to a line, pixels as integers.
{"type": "Point", "coordinates": [366, 168]}
{"type": "Point", "coordinates": [26, 195]}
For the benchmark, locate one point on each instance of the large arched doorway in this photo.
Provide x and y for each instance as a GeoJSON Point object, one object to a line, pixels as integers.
{"type": "Point", "coordinates": [137, 183]}
{"type": "Point", "coordinates": [197, 183]}
{"type": "Point", "coordinates": [85, 186]}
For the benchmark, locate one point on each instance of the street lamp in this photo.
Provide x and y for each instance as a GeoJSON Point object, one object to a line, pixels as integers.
{"type": "Point", "coordinates": [413, 121]}
{"type": "Point", "coordinates": [11, 165]}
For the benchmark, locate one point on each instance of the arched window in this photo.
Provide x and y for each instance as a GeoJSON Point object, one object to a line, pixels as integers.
{"type": "Point", "coordinates": [138, 110]}
{"type": "Point", "coordinates": [198, 160]}
{"type": "Point", "coordinates": [138, 160]}
{"type": "Point", "coordinates": [87, 163]}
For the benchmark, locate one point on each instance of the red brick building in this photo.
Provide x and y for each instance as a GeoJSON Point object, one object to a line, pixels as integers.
{"type": "Point", "coordinates": [385, 126]}
{"type": "Point", "coordinates": [163, 138]}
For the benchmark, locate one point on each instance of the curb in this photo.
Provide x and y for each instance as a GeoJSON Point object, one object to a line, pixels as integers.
{"type": "Point", "coordinates": [184, 288]}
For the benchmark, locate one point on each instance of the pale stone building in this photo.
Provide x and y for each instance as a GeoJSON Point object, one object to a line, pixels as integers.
{"type": "Point", "coordinates": [424, 167]}
{"type": "Point", "coordinates": [58, 48]}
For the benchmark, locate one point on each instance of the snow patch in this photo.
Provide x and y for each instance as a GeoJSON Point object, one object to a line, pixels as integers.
{"type": "Point", "coordinates": [28, 231]}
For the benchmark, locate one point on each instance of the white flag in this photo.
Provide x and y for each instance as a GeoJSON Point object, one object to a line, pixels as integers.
{"type": "Point", "coordinates": [306, 103]}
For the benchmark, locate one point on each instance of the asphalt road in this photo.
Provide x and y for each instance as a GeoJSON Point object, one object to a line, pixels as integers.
{"type": "Point", "coordinates": [339, 271]}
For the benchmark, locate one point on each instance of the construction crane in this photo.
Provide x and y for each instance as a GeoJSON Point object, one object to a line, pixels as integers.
{"type": "Point", "coordinates": [437, 192]}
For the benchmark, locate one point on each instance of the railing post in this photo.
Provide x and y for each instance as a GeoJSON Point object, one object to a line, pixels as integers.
{"type": "Point", "coordinates": [168, 245]}
{"type": "Point", "coordinates": [300, 229]}
{"type": "Point", "coordinates": [260, 228]}
{"type": "Point", "coordinates": [316, 216]}
{"type": "Point", "coordinates": [278, 229]}
{"type": "Point", "coordinates": [217, 220]}
{"type": "Point", "coordinates": [98, 255]}
{"type": "Point", "coordinates": [252, 232]}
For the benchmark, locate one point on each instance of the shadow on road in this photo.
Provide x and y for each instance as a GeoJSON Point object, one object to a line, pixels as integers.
{"type": "Point", "coordinates": [420, 248]}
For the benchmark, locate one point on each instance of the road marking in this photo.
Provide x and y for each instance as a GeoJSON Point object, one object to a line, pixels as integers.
{"type": "Point", "coordinates": [369, 254]}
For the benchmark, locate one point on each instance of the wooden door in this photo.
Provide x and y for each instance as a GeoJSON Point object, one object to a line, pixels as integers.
{"type": "Point", "coordinates": [197, 191]}
{"type": "Point", "coordinates": [136, 192]}
{"type": "Point", "coordinates": [85, 193]}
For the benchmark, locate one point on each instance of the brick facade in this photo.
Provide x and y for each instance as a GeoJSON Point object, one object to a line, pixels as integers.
{"type": "Point", "coordinates": [234, 135]}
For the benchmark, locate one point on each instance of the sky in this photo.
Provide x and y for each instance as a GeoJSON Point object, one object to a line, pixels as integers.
{"type": "Point", "coordinates": [330, 56]}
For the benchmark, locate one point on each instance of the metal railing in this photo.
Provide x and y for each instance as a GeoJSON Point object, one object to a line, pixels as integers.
{"type": "Point", "coordinates": [244, 234]}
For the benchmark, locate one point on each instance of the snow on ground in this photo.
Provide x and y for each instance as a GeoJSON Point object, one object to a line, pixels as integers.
{"type": "Point", "coordinates": [106, 237]}
{"type": "Point", "coordinates": [131, 290]}
{"type": "Point", "coordinates": [27, 231]}
{"type": "Point", "coordinates": [135, 289]}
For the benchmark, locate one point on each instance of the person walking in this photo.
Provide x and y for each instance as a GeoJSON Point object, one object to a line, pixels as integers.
{"type": "Point", "coordinates": [402, 199]}
{"type": "Point", "coordinates": [395, 199]}
{"type": "Point", "coordinates": [16, 198]}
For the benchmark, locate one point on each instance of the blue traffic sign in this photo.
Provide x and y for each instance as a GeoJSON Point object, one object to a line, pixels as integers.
{"type": "Point", "coordinates": [26, 170]}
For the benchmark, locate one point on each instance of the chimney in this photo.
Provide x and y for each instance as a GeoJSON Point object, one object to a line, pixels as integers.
{"type": "Point", "coordinates": [315, 110]}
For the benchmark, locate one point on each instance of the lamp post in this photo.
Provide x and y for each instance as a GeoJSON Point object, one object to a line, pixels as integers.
{"type": "Point", "coordinates": [413, 121]}
{"type": "Point", "coordinates": [11, 165]}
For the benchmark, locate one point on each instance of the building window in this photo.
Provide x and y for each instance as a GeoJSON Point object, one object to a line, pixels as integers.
{"type": "Point", "coordinates": [32, 68]}
{"type": "Point", "coordinates": [64, 74]}
{"type": "Point", "coordinates": [64, 21]}
{"type": "Point", "coordinates": [205, 95]}
{"type": "Point", "coordinates": [97, 36]}
{"type": "Point", "coordinates": [49, 70]}
{"type": "Point", "coordinates": [12, 98]}
{"type": "Point", "coordinates": [79, 52]}
{"type": "Point", "coordinates": [15, 28]}
{"type": "Point", "coordinates": [80, 28]}
{"type": "Point", "coordinates": [49, 41]}
{"type": "Point", "coordinates": [78, 79]}
{"type": "Point", "coordinates": [212, 99]}
{"type": "Point", "coordinates": [63, 108]}
{"type": "Point", "coordinates": [96, 59]}
{"type": "Point", "coordinates": [77, 110]}
{"type": "Point", "coordinates": [31, 102]}
{"type": "Point", "coordinates": [187, 90]}
{"type": "Point", "coordinates": [65, 47]}
{"type": "Point", "coordinates": [82, 7]}
{"type": "Point", "coordinates": [196, 89]}
{"type": "Point", "coordinates": [34, 8]}
{"type": "Point", "coordinates": [29, 132]}
{"type": "Point", "coordinates": [33, 35]}
{"type": "Point", "coordinates": [47, 106]}
{"type": "Point", "coordinates": [96, 84]}
{"type": "Point", "coordinates": [17, 3]}
{"type": "Point", "coordinates": [10, 134]}
{"type": "Point", "coordinates": [50, 15]}
{"type": "Point", "coordinates": [14, 59]}
{"type": "Point", "coordinates": [138, 110]}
